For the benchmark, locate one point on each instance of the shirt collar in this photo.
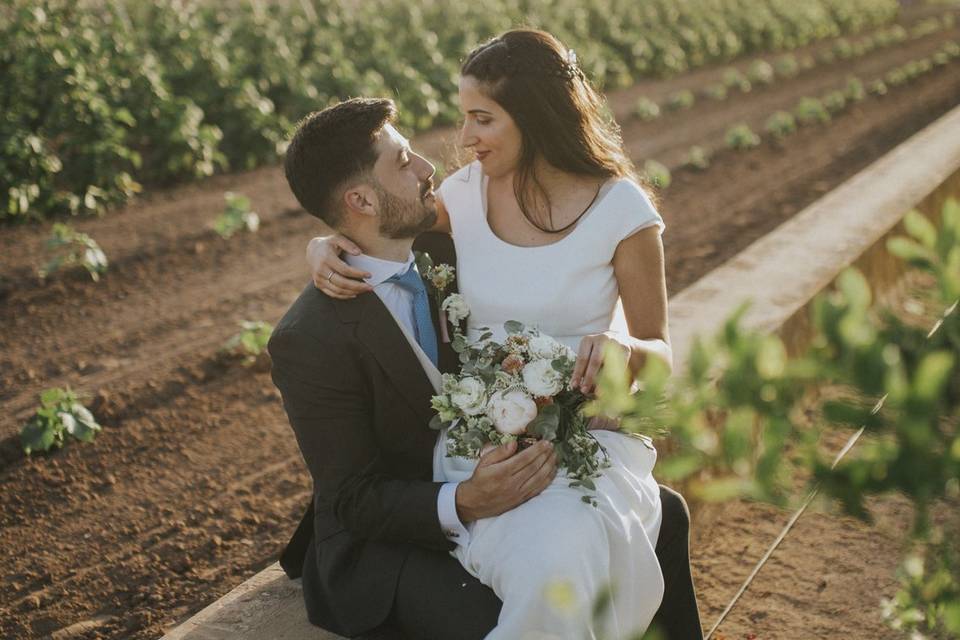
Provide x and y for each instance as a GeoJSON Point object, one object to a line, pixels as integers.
{"type": "Point", "coordinates": [380, 270]}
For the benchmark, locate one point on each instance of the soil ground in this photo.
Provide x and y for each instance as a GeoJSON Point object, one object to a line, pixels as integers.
{"type": "Point", "coordinates": [196, 481]}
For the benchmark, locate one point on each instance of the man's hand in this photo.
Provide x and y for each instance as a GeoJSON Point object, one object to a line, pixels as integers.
{"type": "Point", "coordinates": [502, 480]}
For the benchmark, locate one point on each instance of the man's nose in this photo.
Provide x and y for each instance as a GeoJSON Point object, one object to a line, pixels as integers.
{"type": "Point", "coordinates": [426, 169]}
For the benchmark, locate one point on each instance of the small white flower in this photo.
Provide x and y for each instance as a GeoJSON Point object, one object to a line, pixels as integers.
{"type": "Point", "coordinates": [470, 396]}
{"type": "Point", "coordinates": [456, 308]}
{"type": "Point", "coordinates": [541, 379]}
{"type": "Point", "coordinates": [512, 411]}
{"type": "Point", "coordinates": [543, 346]}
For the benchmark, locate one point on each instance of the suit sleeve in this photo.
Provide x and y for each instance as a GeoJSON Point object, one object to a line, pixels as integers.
{"type": "Point", "coordinates": [328, 404]}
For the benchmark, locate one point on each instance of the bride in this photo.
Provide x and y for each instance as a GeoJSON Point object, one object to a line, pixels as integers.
{"type": "Point", "coordinates": [552, 229]}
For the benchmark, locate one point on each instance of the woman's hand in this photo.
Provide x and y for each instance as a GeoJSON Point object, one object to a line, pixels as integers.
{"type": "Point", "coordinates": [332, 275]}
{"type": "Point", "coordinates": [590, 358]}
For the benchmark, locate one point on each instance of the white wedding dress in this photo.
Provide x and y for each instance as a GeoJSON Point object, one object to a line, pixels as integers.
{"type": "Point", "coordinates": [549, 558]}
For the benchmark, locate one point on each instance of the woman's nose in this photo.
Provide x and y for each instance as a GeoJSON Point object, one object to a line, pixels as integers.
{"type": "Point", "coordinates": [467, 139]}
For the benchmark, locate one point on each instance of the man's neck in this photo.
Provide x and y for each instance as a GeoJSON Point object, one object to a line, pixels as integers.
{"type": "Point", "coordinates": [386, 248]}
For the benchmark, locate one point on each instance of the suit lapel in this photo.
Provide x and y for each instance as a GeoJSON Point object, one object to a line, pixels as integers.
{"type": "Point", "coordinates": [377, 329]}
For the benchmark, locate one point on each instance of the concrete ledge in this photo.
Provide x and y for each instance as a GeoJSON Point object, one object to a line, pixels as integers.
{"type": "Point", "coordinates": [782, 272]}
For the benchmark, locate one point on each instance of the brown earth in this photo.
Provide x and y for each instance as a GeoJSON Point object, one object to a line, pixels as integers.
{"type": "Point", "coordinates": [196, 481]}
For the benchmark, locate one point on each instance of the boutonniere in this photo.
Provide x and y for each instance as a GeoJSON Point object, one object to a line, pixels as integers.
{"type": "Point", "coordinates": [452, 307]}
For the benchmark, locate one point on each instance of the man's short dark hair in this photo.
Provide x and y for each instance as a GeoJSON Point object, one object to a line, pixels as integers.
{"type": "Point", "coordinates": [332, 147]}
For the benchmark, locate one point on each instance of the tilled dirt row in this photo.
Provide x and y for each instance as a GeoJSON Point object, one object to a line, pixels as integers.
{"type": "Point", "coordinates": [196, 481]}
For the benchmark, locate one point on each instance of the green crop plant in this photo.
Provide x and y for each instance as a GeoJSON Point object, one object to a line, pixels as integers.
{"type": "Point", "coordinates": [877, 88]}
{"type": "Point", "coordinates": [811, 111]}
{"type": "Point", "coordinates": [70, 248]}
{"type": "Point", "coordinates": [715, 91]}
{"type": "Point", "coordinates": [855, 91]}
{"type": "Point", "coordinates": [103, 97]}
{"type": "Point", "coordinates": [656, 174]}
{"type": "Point", "coordinates": [781, 124]}
{"type": "Point", "coordinates": [697, 158]}
{"type": "Point", "coordinates": [734, 79]}
{"type": "Point", "coordinates": [740, 137]}
{"type": "Point", "coordinates": [680, 100]}
{"type": "Point", "coordinates": [236, 216]}
{"type": "Point", "coordinates": [786, 66]}
{"type": "Point", "coordinates": [834, 102]}
{"type": "Point", "coordinates": [842, 49]}
{"type": "Point", "coordinates": [60, 415]}
{"type": "Point", "coordinates": [761, 73]}
{"type": "Point", "coordinates": [734, 415]}
{"type": "Point", "coordinates": [250, 342]}
{"type": "Point", "coordinates": [646, 109]}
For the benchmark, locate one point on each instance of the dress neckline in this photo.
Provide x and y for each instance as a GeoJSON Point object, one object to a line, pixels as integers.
{"type": "Point", "coordinates": [605, 190]}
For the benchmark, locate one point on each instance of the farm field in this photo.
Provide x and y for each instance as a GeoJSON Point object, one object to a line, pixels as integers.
{"type": "Point", "coordinates": [196, 481]}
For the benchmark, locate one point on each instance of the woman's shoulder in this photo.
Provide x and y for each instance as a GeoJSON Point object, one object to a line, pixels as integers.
{"type": "Point", "coordinates": [467, 174]}
{"type": "Point", "coordinates": [631, 206]}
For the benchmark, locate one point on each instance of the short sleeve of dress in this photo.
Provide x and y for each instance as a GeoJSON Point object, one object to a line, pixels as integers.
{"type": "Point", "coordinates": [634, 210]}
{"type": "Point", "coordinates": [457, 190]}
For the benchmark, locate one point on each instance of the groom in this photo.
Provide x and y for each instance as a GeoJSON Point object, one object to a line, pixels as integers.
{"type": "Point", "coordinates": [373, 545]}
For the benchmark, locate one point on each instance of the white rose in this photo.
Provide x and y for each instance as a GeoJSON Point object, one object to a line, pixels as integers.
{"type": "Point", "coordinates": [512, 411]}
{"type": "Point", "coordinates": [470, 396]}
{"type": "Point", "coordinates": [456, 308]}
{"type": "Point", "coordinates": [541, 379]}
{"type": "Point", "coordinates": [543, 346]}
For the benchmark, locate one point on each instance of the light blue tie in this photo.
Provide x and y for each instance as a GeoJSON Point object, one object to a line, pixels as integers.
{"type": "Point", "coordinates": [425, 333]}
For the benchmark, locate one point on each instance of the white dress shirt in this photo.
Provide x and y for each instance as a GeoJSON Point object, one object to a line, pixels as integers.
{"type": "Point", "coordinates": [399, 301]}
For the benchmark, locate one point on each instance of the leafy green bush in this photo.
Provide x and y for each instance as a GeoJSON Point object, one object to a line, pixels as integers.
{"type": "Point", "coordinates": [760, 73]}
{"type": "Point", "coordinates": [834, 102]}
{"type": "Point", "coordinates": [71, 248]}
{"type": "Point", "coordinates": [646, 109]}
{"type": "Point", "coordinates": [657, 174]}
{"type": "Point", "coordinates": [781, 124]}
{"type": "Point", "coordinates": [854, 91]}
{"type": "Point", "coordinates": [811, 111]}
{"type": "Point", "coordinates": [60, 414]}
{"type": "Point", "coordinates": [697, 158]}
{"type": "Point", "coordinates": [741, 137]}
{"type": "Point", "coordinates": [733, 413]}
{"type": "Point", "coordinates": [786, 66]}
{"type": "Point", "coordinates": [716, 91]}
{"type": "Point", "coordinates": [103, 96]}
{"type": "Point", "coordinates": [251, 342]}
{"type": "Point", "coordinates": [680, 100]}
{"type": "Point", "coordinates": [237, 216]}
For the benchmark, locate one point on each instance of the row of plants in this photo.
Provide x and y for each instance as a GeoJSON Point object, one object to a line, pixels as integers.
{"type": "Point", "coordinates": [737, 427]}
{"type": "Point", "coordinates": [68, 248]}
{"type": "Point", "coordinates": [62, 416]}
{"type": "Point", "coordinates": [764, 73]}
{"type": "Point", "coordinates": [103, 97]}
{"type": "Point", "coordinates": [809, 111]}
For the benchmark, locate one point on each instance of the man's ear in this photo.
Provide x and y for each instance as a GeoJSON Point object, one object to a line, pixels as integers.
{"type": "Point", "coordinates": [361, 199]}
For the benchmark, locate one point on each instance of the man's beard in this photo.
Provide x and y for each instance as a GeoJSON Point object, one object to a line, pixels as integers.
{"type": "Point", "coordinates": [401, 219]}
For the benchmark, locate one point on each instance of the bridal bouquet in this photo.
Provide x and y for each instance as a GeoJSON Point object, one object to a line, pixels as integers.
{"type": "Point", "coordinates": [515, 390]}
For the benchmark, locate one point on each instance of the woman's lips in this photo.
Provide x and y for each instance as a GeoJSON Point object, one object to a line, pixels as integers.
{"type": "Point", "coordinates": [482, 154]}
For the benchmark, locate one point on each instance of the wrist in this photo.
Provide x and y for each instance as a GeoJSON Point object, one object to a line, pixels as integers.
{"type": "Point", "coordinates": [465, 510]}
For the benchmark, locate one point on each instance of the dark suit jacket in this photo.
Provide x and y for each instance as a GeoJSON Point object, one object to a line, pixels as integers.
{"type": "Point", "coordinates": [359, 403]}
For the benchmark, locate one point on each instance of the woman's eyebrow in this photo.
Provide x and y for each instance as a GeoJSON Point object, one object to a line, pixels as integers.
{"type": "Point", "coordinates": [483, 111]}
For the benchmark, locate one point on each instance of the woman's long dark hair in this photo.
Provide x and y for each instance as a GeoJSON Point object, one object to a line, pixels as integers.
{"type": "Point", "coordinates": [560, 115]}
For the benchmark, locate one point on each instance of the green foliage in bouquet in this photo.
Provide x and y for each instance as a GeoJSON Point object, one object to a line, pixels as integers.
{"type": "Point", "coordinates": [71, 248]}
{"type": "Point", "coordinates": [60, 414]}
